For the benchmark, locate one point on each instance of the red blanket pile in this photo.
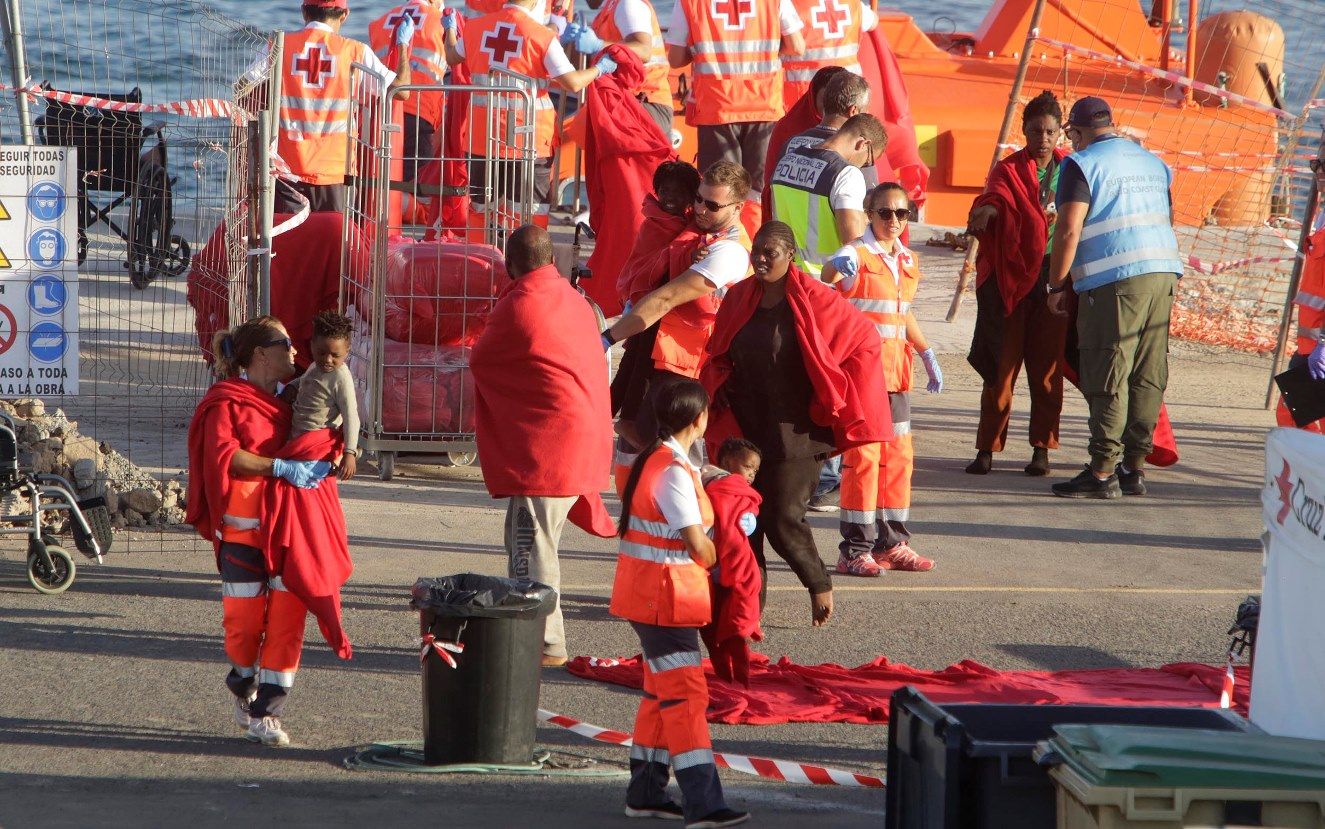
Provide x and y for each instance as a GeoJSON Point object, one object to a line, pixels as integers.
{"type": "Point", "coordinates": [785, 692]}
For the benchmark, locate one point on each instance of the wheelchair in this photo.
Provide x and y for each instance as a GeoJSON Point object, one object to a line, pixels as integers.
{"type": "Point", "coordinates": [111, 159]}
{"type": "Point", "coordinates": [51, 568]}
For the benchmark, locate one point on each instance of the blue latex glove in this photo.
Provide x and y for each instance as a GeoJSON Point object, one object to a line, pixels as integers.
{"type": "Point", "coordinates": [931, 361]}
{"type": "Point", "coordinates": [450, 20]}
{"type": "Point", "coordinates": [572, 33]}
{"type": "Point", "coordinates": [405, 31]}
{"type": "Point", "coordinates": [747, 522]}
{"type": "Point", "coordinates": [607, 344]}
{"type": "Point", "coordinates": [303, 474]}
{"type": "Point", "coordinates": [844, 265]}
{"type": "Point", "coordinates": [1316, 362]}
{"type": "Point", "coordinates": [588, 42]}
{"type": "Point", "coordinates": [606, 65]}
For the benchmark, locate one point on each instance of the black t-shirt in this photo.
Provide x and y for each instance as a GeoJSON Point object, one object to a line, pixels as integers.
{"type": "Point", "coordinates": [770, 391]}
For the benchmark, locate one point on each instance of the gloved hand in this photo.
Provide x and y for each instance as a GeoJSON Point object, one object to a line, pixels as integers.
{"type": "Point", "coordinates": [605, 65]}
{"type": "Point", "coordinates": [931, 361]}
{"type": "Point", "coordinates": [572, 33]}
{"type": "Point", "coordinates": [303, 474]}
{"type": "Point", "coordinates": [748, 522]}
{"type": "Point", "coordinates": [1316, 362]}
{"type": "Point", "coordinates": [405, 31]}
{"type": "Point", "coordinates": [450, 20]}
{"type": "Point", "coordinates": [844, 265]}
{"type": "Point", "coordinates": [587, 42]}
{"type": "Point", "coordinates": [607, 344]}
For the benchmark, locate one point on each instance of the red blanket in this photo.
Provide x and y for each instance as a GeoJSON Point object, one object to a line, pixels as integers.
{"type": "Point", "coordinates": [785, 692]}
{"type": "Point", "coordinates": [306, 541]}
{"type": "Point", "coordinates": [622, 147]}
{"type": "Point", "coordinates": [801, 117]}
{"type": "Point", "coordinates": [1012, 244]}
{"type": "Point", "coordinates": [543, 412]}
{"type": "Point", "coordinates": [648, 264]}
{"type": "Point", "coordinates": [841, 352]}
{"type": "Point", "coordinates": [891, 104]}
{"type": "Point", "coordinates": [737, 580]}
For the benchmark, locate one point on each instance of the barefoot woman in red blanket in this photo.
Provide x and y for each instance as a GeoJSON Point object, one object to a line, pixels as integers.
{"type": "Point", "coordinates": [280, 551]}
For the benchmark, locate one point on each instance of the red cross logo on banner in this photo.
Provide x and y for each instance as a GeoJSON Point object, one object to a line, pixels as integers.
{"type": "Point", "coordinates": [733, 13]}
{"type": "Point", "coordinates": [502, 43]}
{"type": "Point", "coordinates": [411, 11]}
{"type": "Point", "coordinates": [315, 65]}
{"type": "Point", "coordinates": [831, 18]}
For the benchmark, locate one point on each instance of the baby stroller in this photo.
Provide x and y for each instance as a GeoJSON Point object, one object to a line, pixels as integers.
{"type": "Point", "coordinates": [111, 159]}
{"type": "Point", "coordinates": [50, 567]}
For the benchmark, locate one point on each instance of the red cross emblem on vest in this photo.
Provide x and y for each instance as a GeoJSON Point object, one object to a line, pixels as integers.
{"type": "Point", "coordinates": [411, 11]}
{"type": "Point", "coordinates": [831, 18]}
{"type": "Point", "coordinates": [315, 65]}
{"type": "Point", "coordinates": [733, 13]}
{"type": "Point", "coordinates": [502, 43]}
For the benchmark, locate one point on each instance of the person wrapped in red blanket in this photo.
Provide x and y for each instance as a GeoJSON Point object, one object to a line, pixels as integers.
{"type": "Point", "coordinates": [793, 367]}
{"type": "Point", "coordinates": [736, 581]}
{"type": "Point", "coordinates": [279, 551]}
{"type": "Point", "coordinates": [543, 424]}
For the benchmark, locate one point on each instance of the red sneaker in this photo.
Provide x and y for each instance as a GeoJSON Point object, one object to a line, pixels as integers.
{"type": "Point", "coordinates": [902, 557]}
{"type": "Point", "coordinates": [861, 565]}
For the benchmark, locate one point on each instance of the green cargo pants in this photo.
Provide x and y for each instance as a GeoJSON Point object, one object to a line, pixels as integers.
{"type": "Point", "coordinates": [1123, 335]}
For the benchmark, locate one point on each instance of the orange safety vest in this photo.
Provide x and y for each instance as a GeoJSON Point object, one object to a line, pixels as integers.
{"type": "Point", "coordinates": [657, 88]}
{"type": "Point", "coordinates": [1310, 298]}
{"type": "Point", "coordinates": [427, 53]}
{"type": "Point", "coordinates": [832, 38]}
{"type": "Point", "coordinates": [736, 75]}
{"type": "Point", "coordinates": [886, 301]}
{"type": "Point", "coordinates": [315, 103]}
{"type": "Point", "coordinates": [657, 582]}
{"type": "Point", "coordinates": [243, 509]}
{"type": "Point", "coordinates": [684, 331]}
{"type": "Point", "coordinates": [511, 40]}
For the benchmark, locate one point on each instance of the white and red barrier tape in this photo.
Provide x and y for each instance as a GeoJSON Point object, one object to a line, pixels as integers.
{"type": "Point", "coordinates": [430, 643]}
{"type": "Point", "coordinates": [192, 108]}
{"type": "Point", "coordinates": [1230, 682]}
{"type": "Point", "coordinates": [786, 770]}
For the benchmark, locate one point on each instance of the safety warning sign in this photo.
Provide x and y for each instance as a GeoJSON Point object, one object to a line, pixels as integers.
{"type": "Point", "coordinates": [38, 272]}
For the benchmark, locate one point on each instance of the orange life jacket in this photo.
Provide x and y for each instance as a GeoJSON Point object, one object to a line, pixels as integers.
{"type": "Point", "coordinates": [657, 582]}
{"type": "Point", "coordinates": [508, 39]}
{"type": "Point", "coordinates": [312, 136]}
{"type": "Point", "coordinates": [736, 75]}
{"type": "Point", "coordinates": [1310, 298]}
{"type": "Point", "coordinates": [886, 300]}
{"type": "Point", "coordinates": [684, 331]}
{"type": "Point", "coordinates": [427, 53]}
{"type": "Point", "coordinates": [243, 511]}
{"type": "Point", "coordinates": [832, 38]}
{"type": "Point", "coordinates": [657, 88]}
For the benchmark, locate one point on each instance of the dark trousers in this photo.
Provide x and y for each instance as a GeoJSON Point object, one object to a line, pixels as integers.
{"type": "Point", "coordinates": [745, 143]}
{"type": "Point", "coordinates": [322, 198]}
{"type": "Point", "coordinates": [508, 179]}
{"type": "Point", "coordinates": [420, 145]}
{"type": "Point", "coordinates": [662, 115]}
{"type": "Point", "coordinates": [786, 486]}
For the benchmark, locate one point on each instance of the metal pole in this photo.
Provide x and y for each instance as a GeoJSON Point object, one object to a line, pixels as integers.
{"type": "Point", "coordinates": [1193, 9]}
{"type": "Point", "coordinates": [579, 148]}
{"type": "Point", "coordinates": [266, 187]}
{"type": "Point", "coordinates": [18, 68]}
{"type": "Point", "coordinates": [968, 266]}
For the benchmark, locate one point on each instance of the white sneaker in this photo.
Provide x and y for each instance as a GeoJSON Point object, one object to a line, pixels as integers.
{"type": "Point", "coordinates": [242, 719]}
{"type": "Point", "coordinates": [268, 731]}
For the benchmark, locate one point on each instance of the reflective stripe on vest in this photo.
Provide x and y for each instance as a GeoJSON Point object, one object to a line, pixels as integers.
{"type": "Point", "coordinates": [427, 53]}
{"type": "Point", "coordinates": [736, 75]}
{"type": "Point", "coordinates": [1127, 231]}
{"type": "Point", "coordinates": [804, 76]}
{"type": "Point", "coordinates": [315, 103]}
{"type": "Point", "coordinates": [832, 36]}
{"type": "Point", "coordinates": [886, 300]}
{"type": "Point", "coordinates": [657, 83]}
{"type": "Point", "coordinates": [509, 39]}
{"type": "Point", "coordinates": [241, 521]}
{"type": "Point", "coordinates": [801, 186]}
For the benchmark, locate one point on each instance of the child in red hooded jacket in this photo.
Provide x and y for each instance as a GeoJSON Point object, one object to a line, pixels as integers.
{"type": "Point", "coordinates": [735, 578]}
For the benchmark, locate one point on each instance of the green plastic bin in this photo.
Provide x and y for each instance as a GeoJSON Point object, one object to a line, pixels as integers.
{"type": "Point", "coordinates": [1131, 777]}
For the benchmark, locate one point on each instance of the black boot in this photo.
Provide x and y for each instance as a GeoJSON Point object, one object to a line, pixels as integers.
{"type": "Point", "coordinates": [984, 461]}
{"type": "Point", "coordinates": [1039, 465]}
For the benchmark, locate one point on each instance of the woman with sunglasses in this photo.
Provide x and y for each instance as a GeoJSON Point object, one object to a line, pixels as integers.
{"type": "Point", "coordinates": [1014, 220]}
{"type": "Point", "coordinates": [237, 430]}
{"type": "Point", "coordinates": [879, 276]}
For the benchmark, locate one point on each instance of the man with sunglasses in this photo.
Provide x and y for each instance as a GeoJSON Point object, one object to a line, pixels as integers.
{"type": "Point", "coordinates": [820, 190]}
{"type": "Point", "coordinates": [1114, 239]}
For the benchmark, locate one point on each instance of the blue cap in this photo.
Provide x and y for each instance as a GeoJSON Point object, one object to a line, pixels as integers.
{"type": "Point", "coordinates": [1090, 112]}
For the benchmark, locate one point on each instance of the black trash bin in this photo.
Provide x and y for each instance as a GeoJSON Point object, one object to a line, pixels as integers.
{"type": "Point", "coordinates": [484, 710]}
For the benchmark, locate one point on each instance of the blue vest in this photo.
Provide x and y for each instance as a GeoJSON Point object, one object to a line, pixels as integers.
{"type": "Point", "coordinates": [1128, 229]}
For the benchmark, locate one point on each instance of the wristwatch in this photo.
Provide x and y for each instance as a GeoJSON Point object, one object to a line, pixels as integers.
{"type": "Point", "coordinates": [1050, 289]}
{"type": "Point", "coordinates": [356, 452]}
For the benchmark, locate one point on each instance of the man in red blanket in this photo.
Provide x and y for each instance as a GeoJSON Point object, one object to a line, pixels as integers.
{"type": "Point", "coordinates": [543, 418]}
{"type": "Point", "coordinates": [280, 551]}
{"type": "Point", "coordinates": [736, 580]}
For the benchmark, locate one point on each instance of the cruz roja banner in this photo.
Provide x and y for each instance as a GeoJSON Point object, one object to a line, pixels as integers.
{"type": "Point", "coordinates": [1288, 677]}
{"type": "Point", "coordinates": [38, 271]}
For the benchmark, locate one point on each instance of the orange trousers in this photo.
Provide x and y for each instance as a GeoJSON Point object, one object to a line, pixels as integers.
{"type": "Point", "coordinates": [876, 487]}
{"type": "Point", "coordinates": [263, 622]}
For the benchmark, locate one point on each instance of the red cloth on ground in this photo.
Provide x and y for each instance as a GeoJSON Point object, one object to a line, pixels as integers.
{"type": "Point", "coordinates": [801, 117]}
{"type": "Point", "coordinates": [784, 692]}
{"type": "Point", "coordinates": [623, 145]}
{"type": "Point", "coordinates": [648, 264]}
{"type": "Point", "coordinates": [891, 104]}
{"type": "Point", "coordinates": [735, 591]}
{"type": "Point", "coordinates": [306, 541]}
{"type": "Point", "coordinates": [841, 351]}
{"type": "Point", "coordinates": [1012, 244]}
{"type": "Point", "coordinates": [544, 414]}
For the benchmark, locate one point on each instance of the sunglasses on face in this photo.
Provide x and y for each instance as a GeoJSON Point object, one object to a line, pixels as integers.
{"type": "Point", "coordinates": [886, 213]}
{"type": "Point", "coordinates": [284, 342]}
{"type": "Point", "coordinates": [712, 206]}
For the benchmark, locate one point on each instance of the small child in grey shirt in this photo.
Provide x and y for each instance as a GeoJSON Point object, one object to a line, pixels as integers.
{"type": "Point", "coordinates": [325, 396]}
